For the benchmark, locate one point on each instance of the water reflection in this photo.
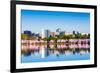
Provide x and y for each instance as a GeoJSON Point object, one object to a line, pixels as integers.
{"type": "Point", "coordinates": [56, 50]}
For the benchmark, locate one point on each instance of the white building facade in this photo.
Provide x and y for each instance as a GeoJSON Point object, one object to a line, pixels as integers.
{"type": "Point", "coordinates": [45, 33]}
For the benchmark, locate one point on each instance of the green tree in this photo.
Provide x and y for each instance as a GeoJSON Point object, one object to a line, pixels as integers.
{"type": "Point", "coordinates": [24, 36]}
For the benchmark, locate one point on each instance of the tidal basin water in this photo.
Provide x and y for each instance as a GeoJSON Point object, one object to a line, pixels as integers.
{"type": "Point", "coordinates": [61, 52]}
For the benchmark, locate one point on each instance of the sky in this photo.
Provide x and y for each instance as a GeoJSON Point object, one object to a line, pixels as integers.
{"type": "Point", "coordinates": [36, 20]}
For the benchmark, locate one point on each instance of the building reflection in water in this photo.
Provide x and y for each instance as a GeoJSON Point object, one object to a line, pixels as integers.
{"type": "Point", "coordinates": [58, 49]}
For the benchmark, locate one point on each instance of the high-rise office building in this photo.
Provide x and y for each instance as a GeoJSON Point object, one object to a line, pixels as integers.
{"type": "Point", "coordinates": [45, 33]}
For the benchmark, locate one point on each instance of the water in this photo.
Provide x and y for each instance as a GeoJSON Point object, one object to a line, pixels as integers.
{"type": "Point", "coordinates": [48, 53]}
{"type": "Point", "coordinates": [37, 58]}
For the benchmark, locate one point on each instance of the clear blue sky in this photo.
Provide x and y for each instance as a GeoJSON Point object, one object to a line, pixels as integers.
{"type": "Point", "coordinates": [35, 21]}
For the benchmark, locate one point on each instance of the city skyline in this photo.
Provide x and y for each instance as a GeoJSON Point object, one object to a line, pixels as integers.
{"type": "Point", "coordinates": [53, 31]}
{"type": "Point", "coordinates": [35, 21]}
